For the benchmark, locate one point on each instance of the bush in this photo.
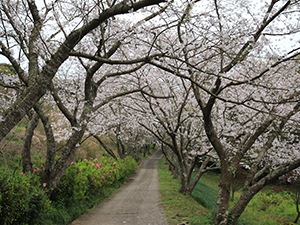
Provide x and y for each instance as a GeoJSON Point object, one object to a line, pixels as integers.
{"type": "Point", "coordinates": [23, 199]}
{"type": "Point", "coordinates": [85, 178]}
{"type": "Point", "coordinates": [20, 201]}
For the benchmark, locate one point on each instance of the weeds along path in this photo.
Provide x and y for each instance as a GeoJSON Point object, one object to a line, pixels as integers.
{"type": "Point", "coordinates": [136, 203]}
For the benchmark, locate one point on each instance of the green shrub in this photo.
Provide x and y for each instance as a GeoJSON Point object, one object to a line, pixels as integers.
{"type": "Point", "coordinates": [20, 201]}
{"type": "Point", "coordinates": [23, 199]}
{"type": "Point", "coordinates": [85, 178]}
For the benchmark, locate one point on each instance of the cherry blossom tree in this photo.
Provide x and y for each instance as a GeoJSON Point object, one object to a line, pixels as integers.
{"type": "Point", "coordinates": [10, 86]}
{"type": "Point", "coordinates": [168, 111]}
{"type": "Point", "coordinates": [122, 125]}
{"type": "Point", "coordinates": [36, 53]}
{"type": "Point", "coordinates": [226, 79]}
{"type": "Point", "coordinates": [78, 52]}
{"type": "Point", "coordinates": [83, 99]}
{"type": "Point", "coordinates": [246, 91]}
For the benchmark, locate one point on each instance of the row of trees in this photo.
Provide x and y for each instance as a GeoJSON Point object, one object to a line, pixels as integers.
{"type": "Point", "coordinates": [203, 78]}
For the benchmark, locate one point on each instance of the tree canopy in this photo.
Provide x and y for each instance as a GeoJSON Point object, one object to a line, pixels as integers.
{"type": "Point", "coordinates": [215, 82]}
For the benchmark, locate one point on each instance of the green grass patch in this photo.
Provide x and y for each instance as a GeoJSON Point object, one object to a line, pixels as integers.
{"type": "Point", "coordinates": [268, 207]}
{"type": "Point", "coordinates": [178, 207]}
{"type": "Point", "coordinates": [206, 191]}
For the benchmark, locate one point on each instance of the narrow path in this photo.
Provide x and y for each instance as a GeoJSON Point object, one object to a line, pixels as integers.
{"type": "Point", "coordinates": [136, 203]}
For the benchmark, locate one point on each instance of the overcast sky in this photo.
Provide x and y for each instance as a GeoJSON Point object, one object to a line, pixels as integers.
{"type": "Point", "coordinates": [280, 45]}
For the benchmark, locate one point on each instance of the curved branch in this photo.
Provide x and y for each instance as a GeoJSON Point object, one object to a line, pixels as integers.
{"type": "Point", "coordinates": [114, 62]}
{"type": "Point", "coordinates": [32, 95]}
{"type": "Point", "coordinates": [245, 50]}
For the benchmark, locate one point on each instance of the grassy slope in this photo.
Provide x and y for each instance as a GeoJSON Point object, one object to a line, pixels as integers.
{"type": "Point", "coordinates": [177, 207]}
{"type": "Point", "coordinates": [11, 146]}
{"type": "Point", "coordinates": [266, 208]}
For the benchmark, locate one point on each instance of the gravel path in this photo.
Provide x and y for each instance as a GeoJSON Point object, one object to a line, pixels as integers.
{"type": "Point", "coordinates": [136, 203]}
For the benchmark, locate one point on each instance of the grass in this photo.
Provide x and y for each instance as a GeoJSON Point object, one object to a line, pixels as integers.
{"type": "Point", "coordinates": [206, 191]}
{"type": "Point", "coordinates": [178, 207]}
{"type": "Point", "coordinates": [268, 207]}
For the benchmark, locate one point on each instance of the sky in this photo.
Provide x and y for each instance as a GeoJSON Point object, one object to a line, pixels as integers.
{"type": "Point", "coordinates": [279, 44]}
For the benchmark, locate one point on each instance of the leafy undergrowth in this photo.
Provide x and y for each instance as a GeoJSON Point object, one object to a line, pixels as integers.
{"type": "Point", "coordinates": [23, 198]}
{"type": "Point", "coordinates": [268, 207]}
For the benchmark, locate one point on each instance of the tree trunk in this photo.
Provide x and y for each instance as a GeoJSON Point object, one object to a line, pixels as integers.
{"type": "Point", "coordinates": [297, 218]}
{"type": "Point", "coordinates": [106, 148]}
{"type": "Point", "coordinates": [146, 150]}
{"type": "Point", "coordinates": [240, 206]}
{"type": "Point", "coordinates": [64, 162]}
{"type": "Point", "coordinates": [185, 187]}
{"type": "Point", "coordinates": [26, 152]}
{"type": "Point", "coordinates": [221, 215]}
{"type": "Point", "coordinates": [120, 148]}
{"type": "Point", "coordinates": [34, 92]}
{"type": "Point", "coordinates": [253, 186]}
{"type": "Point", "coordinates": [200, 172]}
{"type": "Point", "coordinates": [172, 166]}
{"type": "Point", "coordinates": [184, 178]}
{"type": "Point", "coordinates": [248, 193]}
{"type": "Point", "coordinates": [51, 144]}
{"type": "Point", "coordinates": [188, 183]}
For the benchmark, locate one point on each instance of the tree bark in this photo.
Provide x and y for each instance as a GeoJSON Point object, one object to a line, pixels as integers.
{"type": "Point", "coordinates": [120, 148]}
{"type": "Point", "coordinates": [51, 144]}
{"type": "Point", "coordinates": [172, 167]}
{"type": "Point", "coordinates": [185, 186]}
{"type": "Point", "coordinates": [253, 186]}
{"type": "Point", "coordinates": [64, 162]}
{"type": "Point", "coordinates": [106, 148]}
{"type": "Point", "coordinates": [221, 215]}
{"type": "Point", "coordinates": [199, 174]}
{"type": "Point", "coordinates": [241, 205]}
{"type": "Point", "coordinates": [26, 152]}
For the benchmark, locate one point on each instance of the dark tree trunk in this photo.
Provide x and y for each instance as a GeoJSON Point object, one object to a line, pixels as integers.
{"type": "Point", "coordinates": [64, 162]}
{"type": "Point", "coordinates": [297, 218]}
{"type": "Point", "coordinates": [51, 144]}
{"type": "Point", "coordinates": [201, 171]}
{"type": "Point", "coordinates": [106, 148]}
{"type": "Point", "coordinates": [221, 215]}
{"type": "Point", "coordinates": [188, 181]}
{"type": "Point", "coordinates": [172, 167]}
{"type": "Point", "coordinates": [185, 180]}
{"type": "Point", "coordinates": [120, 146]}
{"type": "Point", "coordinates": [239, 207]}
{"type": "Point", "coordinates": [249, 191]}
{"type": "Point", "coordinates": [185, 186]}
{"type": "Point", "coordinates": [26, 151]}
{"type": "Point", "coordinates": [146, 150]}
